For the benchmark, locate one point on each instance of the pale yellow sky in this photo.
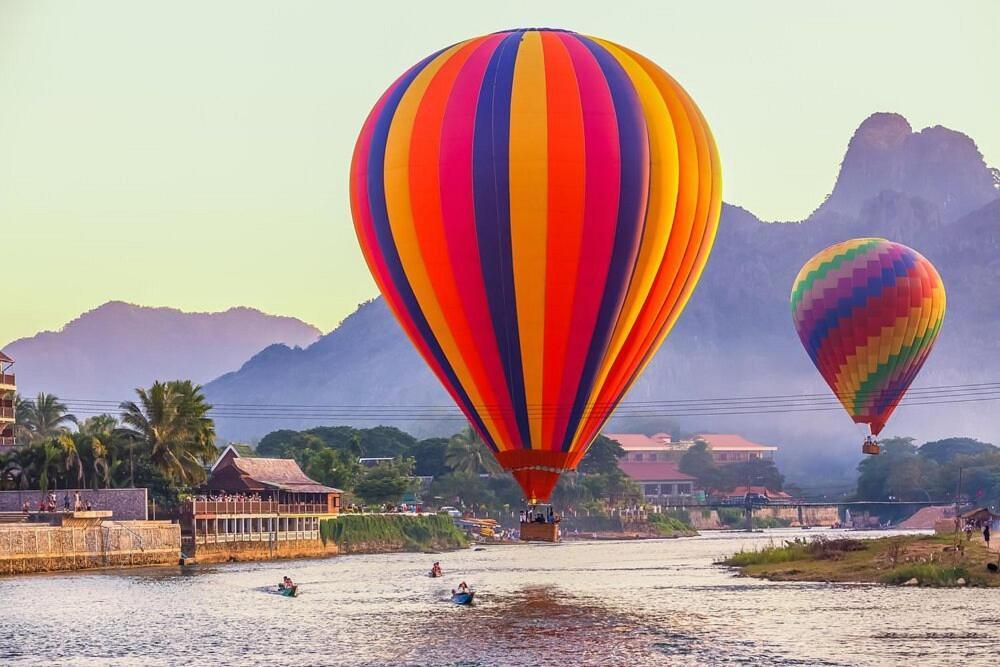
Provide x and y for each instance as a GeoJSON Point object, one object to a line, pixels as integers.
{"type": "Point", "coordinates": [195, 154]}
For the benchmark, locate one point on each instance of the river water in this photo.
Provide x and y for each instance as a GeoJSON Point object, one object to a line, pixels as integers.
{"type": "Point", "coordinates": [658, 602]}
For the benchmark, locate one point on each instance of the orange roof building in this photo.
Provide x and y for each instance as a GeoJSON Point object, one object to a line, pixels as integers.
{"type": "Point", "coordinates": [8, 388]}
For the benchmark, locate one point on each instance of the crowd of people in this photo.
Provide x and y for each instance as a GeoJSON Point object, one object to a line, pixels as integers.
{"type": "Point", "coordinates": [48, 503]}
{"type": "Point", "coordinates": [223, 497]}
{"type": "Point", "coordinates": [532, 515]}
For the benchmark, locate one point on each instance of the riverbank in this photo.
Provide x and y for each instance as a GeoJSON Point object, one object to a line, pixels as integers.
{"type": "Point", "coordinates": [387, 533]}
{"type": "Point", "coordinates": [909, 560]}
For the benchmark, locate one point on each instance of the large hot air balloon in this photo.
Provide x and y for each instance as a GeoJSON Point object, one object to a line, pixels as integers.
{"type": "Point", "coordinates": [536, 206]}
{"type": "Point", "coordinates": [868, 312]}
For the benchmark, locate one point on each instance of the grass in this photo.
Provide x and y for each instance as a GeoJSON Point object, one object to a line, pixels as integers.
{"type": "Point", "coordinates": [933, 560]}
{"type": "Point", "coordinates": [399, 532]}
{"type": "Point", "coordinates": [671, 524]}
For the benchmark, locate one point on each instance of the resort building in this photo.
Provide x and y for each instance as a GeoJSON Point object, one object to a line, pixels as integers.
{"type": "Point", "coordinates": [8, 388]}
{"type": "Point", "coordinates": [732, 448]}
{"type": "Point", "coordinates": [254, 504]}
{"type": "Point", "coordinates": [645, 448]}
{"type": "Point", "coordinates": [725, 447]}
{"type": "Point", "coordinates": [660, 481]}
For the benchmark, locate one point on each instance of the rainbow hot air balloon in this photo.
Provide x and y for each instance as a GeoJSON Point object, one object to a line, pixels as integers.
{"type": "Point", "coordinates": [868, 312]}
{"type": "Point", "coordinates": [536, 207]}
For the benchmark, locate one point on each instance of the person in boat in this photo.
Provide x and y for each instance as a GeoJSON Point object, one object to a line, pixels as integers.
{"type": "Point", "coordinates": [436, 569]}
{"type": "Point", "coordinates": [286, 582]}
{"type": "Point", "coordinates": [462, 588]}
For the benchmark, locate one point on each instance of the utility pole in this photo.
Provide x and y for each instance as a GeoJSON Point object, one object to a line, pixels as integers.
{"type": "Point", "coordinates": [958, 501]}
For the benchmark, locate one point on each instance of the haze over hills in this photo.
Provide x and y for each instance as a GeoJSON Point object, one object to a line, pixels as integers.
{"type": "Point", "coordinates": [109, 351]}
{"type": "Point", "coordinates": [929, 189]}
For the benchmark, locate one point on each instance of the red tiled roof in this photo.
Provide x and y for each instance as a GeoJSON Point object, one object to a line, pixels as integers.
{"type": "Point", "coordinates": [731, 442]}
{"type": "Point", "coordinates": [658, 471]}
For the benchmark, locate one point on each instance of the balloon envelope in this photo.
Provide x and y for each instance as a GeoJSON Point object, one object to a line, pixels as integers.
{"type": "Point", "coordinates": [868, 312]}
{"type": "Point", "coordinates": [536, 206]}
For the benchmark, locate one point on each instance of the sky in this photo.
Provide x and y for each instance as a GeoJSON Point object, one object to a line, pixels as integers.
{"type": "Point", "coordinates": [195, 154]}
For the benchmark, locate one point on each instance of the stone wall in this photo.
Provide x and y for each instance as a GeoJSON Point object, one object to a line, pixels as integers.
{"type": "Point", "coordinates": [26, 548]}
{"type": "Point", "coordinates": [125, 504]}
{"type": "Point", "coordinates": [223, 552]}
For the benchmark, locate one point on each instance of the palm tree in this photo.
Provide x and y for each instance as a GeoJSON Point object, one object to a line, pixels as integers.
{"type": "Point", "coordinates": [99, 425]}
{"type": "Point", "coordinates": [12, 475]}
{"type": "Point", "coordinates": [170, 423]}
{"type": "Point", "coordinates": [66, 443]}
{"type": "Point", "coordinates": [44, 418]}
{"type": "Point", "coordinates": [47, 463]}
{"type": "Point", "coordinates": [469, 454]}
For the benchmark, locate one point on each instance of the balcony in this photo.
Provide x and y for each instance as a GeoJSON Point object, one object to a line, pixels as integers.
{"type": "Point", "coordinates": [7, 382]}
{"type": "Point", "coordinates": [6, 413]}
{"type": "Point", "coordinates": [228, 507]}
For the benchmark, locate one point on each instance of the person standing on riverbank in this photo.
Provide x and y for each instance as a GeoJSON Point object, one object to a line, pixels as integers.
{"type": "Point", "coordinates": [986, 535]}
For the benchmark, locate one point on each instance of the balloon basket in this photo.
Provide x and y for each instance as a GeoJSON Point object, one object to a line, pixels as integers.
{"type": "Point", "coordinates": [871, 448]}
{"type": "Point", "coordinates": [539, 532]}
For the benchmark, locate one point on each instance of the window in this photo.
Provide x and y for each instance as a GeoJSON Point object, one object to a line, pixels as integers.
{"type": "Point", "coordinates": [684, 489]}
{"type": "Point", "coordinates": [667, 489]}
{"type": "Point", "coordinates": [651, 490]}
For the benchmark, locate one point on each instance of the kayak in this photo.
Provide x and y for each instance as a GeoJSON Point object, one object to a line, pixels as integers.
{"type": "Point", "coordinates": [289, 592]}
{"type": "Point", "coordinates": [463, 598]}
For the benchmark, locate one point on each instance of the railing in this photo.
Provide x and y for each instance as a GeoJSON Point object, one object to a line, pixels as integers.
{"type": "Point", "coordinates": [200, 507]}
{"type": "Point", "coordinates": [7, 442]}
{"type": "Point", "coordinates": [6, 413]}
{"type": "Point", "coordinates": [257, 536]}
{"type": "Point", "coordinates": [7, 379]}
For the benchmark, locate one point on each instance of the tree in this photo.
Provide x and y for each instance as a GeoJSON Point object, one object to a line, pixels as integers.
{"type": "Point", "coordinates": [602, 456]}
{"type": "Point", "coordinates": [759, 472]}
{"type": "Point", "coordinates": [468, 453]}
{"type": "Point", "coordinates": [465, 489]}
{"type": "Point", "coordinates": [944, 451]}
{"type": "Point", "coordinates": [697, 461]}
{"type": "Point", "coordinates": [170, 423]}
{"type": "Point", "coordinates": [874, 471]}
{"type": "Point", "coordinates": [44, 418]}
{"type": "Point", "coordinates": [431, 457]}
{"type": "Point", "coordinates": [332, 467]}
{"type": "Point", "coordinates": [385, 483]}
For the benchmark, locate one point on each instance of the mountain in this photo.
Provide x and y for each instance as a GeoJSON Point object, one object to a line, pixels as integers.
{"type": "Point", "coordinates": [930, 189]}
{"type": "Point", "coordinates": [109, 351]}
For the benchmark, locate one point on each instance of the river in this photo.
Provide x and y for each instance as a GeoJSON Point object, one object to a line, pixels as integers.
{"type": "Point", "coordinates": [657, 602]}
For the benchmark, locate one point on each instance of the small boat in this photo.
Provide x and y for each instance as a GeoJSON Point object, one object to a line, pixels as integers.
{"type": "Point", "coordinates": [435, 573]}
{"type": "Point", "coordinates": [288, 591]}
{"type": "Point", "coordinates": [463, 598]}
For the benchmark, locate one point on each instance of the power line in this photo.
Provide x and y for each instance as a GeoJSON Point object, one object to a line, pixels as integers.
{"type": "Point", "coordinates": [455, 414]}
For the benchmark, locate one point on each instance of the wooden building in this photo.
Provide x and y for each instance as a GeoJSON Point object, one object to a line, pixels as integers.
{"type": "Point", "coordinates": [254, 503]}
{"type": "Point", "coordinates": [8, 389]}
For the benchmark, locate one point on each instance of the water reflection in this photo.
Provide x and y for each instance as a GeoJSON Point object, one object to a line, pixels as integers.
{"type": "Point", "coordinates": [626, 603]}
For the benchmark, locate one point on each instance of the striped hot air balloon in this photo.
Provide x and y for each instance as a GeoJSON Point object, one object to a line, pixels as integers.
{"type": "Point", "coordinates": [536, 207]}
{"type": "Point", "coordinates": [868, 312]}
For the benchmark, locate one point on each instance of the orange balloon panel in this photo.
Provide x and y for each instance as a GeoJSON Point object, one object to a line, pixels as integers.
{"type": "Point", "coordinates": [537, 207]}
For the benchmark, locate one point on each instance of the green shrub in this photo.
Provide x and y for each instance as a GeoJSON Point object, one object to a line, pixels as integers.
{"type": "Point", "coordinates": [413, 533]}
{"type": "Point", "coordinates": [931, 574]}
{"type": "Point", "coordinates": [730, 516]}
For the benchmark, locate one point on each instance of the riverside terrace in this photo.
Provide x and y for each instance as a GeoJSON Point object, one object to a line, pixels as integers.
{"type": "Point", "coordinates": [256, 508]}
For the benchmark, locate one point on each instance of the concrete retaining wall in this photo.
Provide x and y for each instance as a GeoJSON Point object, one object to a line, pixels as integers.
{"type": "Point", "coordinates": [125, 504]}
{"type": "Point", "coordinates": [223, 552]}
{"type": "Point", "coordinates": [26, 548]}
